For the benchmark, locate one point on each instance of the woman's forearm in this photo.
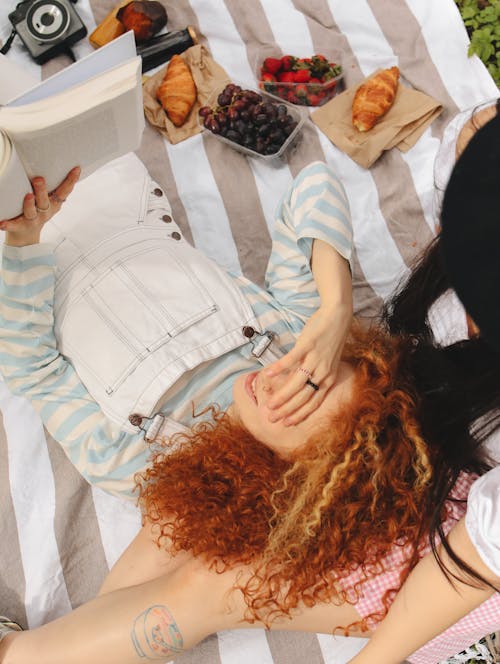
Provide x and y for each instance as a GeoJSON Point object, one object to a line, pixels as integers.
{"type": "Point", "coordinates": [332, 276]}
{"type": "Point", "coordinates": [427, 604]}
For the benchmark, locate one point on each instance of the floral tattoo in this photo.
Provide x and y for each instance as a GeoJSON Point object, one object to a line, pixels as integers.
{"type": "Point", "coordinates": [155, 633]}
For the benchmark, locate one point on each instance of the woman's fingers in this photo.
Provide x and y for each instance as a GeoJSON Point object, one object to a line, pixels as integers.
{"type": "Point", "coordinates": [61, 193]}
{"type": "Point", "coordinates": [29, 208]}
{"type": "Point", "coordinates": [285, 363]}
{"type": "Point", "coordinates": [38, 208]}
{"type": "Point", "coordinates": [42, 202]}
{"type": "Point", "coordinates": [303, 402]}
{"type": "Point", "coordinates": [309, 406]}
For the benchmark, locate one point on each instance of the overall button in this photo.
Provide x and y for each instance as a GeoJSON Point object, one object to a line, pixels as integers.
{"type": "Point", "coordinates": [157, 192]}
{"type": "Point", "coordinates": [176, 236]}
{"type": "Point", "coordinates": [166, 218]}
{"type": "Point", "coordinates": [248, 331]}
{"type": "Point", "coordinates": [135, 419]}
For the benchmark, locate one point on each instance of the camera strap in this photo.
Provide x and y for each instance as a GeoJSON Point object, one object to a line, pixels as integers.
{"type": "Point", "coordinates": [6, 47]}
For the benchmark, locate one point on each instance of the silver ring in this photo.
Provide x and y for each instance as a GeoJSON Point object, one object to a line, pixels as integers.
{"type": "Point", "coordinates": [311, 384]}
{"type": "Point", "coordinates": [57, 198]}
{"type": "Point", "coordinates": [43, 209]}
{"type": "Point", "coordinates": [305, 371]}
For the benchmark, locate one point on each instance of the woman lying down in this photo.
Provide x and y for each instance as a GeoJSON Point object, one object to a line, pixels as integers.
{"type": "Point", "coordinates": [296, 496]}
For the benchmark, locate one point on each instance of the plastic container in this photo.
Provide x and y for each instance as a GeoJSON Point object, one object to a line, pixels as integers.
{"type": "Point", "coordinates": [276, 158]}
{"type": "Point", "coordinates": [301, 93]}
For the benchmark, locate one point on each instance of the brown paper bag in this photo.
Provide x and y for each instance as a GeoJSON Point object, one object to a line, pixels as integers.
{"type": "Point", "coordinates": [401, 127]}
{"type": "Point", "coordinates": [207, 75]}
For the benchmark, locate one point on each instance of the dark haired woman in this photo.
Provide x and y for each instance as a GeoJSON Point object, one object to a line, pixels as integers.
{"type": "Point", "coordinates": [249, 521]}
{"type": "Point", "coordinates": [464, 256]}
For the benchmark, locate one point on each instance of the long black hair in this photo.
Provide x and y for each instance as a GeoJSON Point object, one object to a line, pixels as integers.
{"type": "Point", "coordinates": [458, 387]}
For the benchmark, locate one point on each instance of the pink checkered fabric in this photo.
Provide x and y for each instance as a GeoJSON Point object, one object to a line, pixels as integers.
{"type": "Point", "coordinates": [476, 624]}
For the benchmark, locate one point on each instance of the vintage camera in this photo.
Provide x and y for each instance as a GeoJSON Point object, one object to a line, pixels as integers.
{"type": "Point", "coordinates": [47, 27]}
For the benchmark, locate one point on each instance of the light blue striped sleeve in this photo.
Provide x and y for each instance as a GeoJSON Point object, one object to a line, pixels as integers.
{"type": "Point", "coordinates": [314, 207]}
{"type": "Point", "coordinates": [32, 367]}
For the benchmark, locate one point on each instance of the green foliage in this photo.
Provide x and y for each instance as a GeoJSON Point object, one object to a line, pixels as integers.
{"type": "Point", "coordinates": [482, 20]}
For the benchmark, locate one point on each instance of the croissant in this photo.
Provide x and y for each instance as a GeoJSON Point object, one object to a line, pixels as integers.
{"type": "Point", "coordinates": [374, 98]}
{"type": "Point", "coordinates": [177, 92]}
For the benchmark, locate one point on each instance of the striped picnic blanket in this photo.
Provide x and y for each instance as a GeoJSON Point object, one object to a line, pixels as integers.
{"type": "Point", "coordinates": [58, 536]}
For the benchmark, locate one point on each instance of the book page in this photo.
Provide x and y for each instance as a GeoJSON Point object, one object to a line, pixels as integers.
{"type": "Point", "coordinates": [14, 183]}
{"type": "Point", "coordinates": [107, 57]}
{"type": "Point", "coordinates": [88, 140]}
{"type": "Point", "coordinates": [41, 114]}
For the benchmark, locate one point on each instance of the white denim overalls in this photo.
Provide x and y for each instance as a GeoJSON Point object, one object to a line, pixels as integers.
{"type": "Point", "coordinates": [136, 305]}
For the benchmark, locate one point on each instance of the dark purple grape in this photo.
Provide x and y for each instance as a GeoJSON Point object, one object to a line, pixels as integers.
{"type": "Point", "coordinates": [233, 135]}
{"type": "Point", "coordinates": [245, 115]}
{"type": "Point", "coordinates": [257, 110]}
{"type": "Point", "coordinates": [263, 130]}
{"type": "Point", "coordinates": [241, 126]}
{"type": "Point", "coordinates": [253, 96]}
{"type": "Point", "coordinates": [260, 118]}
{"type": "Point", "coordinates": [224, 99]}
{"type": "Point", "coordinates": [232, 113]}
{"type": "Point", "coordinates": [260, 146]}
{"type": "Point", "coordinates": [213, 125]}
{"type": "Point", "coordinates": [287, 129]}
{"type": "Point", "coordinates": [205, 111]}
{"type": "Point", "coordinates": [239, 104]}
{"type": "Point", "coordinates": [277, 136]}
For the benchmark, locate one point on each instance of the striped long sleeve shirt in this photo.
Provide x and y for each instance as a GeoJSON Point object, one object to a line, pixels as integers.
{"type": "Point", "coordinates": [314, 207]}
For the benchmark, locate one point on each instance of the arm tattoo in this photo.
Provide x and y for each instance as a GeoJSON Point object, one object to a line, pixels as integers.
{"type": "Point", "coordinates": [155, 633]}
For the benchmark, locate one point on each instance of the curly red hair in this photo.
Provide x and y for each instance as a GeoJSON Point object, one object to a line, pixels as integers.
{"type": "Point", "coordinates": [353, 489]}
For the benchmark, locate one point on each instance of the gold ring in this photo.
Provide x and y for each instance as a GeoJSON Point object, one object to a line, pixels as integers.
{"type": "Point", "coordinates": [43, 209]}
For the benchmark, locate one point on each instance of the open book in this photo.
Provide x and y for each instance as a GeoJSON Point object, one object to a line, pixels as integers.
{"type": "Point", "coordinates": [86, 115]}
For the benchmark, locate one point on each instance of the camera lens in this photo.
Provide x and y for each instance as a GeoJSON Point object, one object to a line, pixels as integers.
{"type": "Point", "coordinates": [47, 20]}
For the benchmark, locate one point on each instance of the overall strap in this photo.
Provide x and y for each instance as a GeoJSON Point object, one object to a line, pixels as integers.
{"type": "Point", "coordinates": [264, 349]}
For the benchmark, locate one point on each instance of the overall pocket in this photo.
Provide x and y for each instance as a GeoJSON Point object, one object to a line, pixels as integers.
{"type": "Point", "coordinates": [134, 305]}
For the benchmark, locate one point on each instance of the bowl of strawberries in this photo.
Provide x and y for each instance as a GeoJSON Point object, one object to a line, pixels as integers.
{"type": "Point", "coordinates": [308, 81]}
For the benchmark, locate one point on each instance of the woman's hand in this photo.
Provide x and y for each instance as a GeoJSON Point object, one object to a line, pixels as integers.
{"type": "Point", "coordinates": [38, 208]}
{"type": "Point", "coordinates": [314, 358]}
{"type": "Point", "coordinates": [313, 361]}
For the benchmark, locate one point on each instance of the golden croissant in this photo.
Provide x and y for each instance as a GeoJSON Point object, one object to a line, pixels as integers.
{"type": "Point", "coordinates": [177, 92]}
{"type": "Point", "coordinates": [374, 98]}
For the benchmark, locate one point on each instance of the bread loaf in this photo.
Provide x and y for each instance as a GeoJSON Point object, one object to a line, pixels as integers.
{"type": "Point", "coordinates": [177, 92]}
{"type": "Point", "coordinates": [374, 98]}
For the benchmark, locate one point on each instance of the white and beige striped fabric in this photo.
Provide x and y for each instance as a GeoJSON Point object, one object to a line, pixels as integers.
{"type": "Point", "coordinates": [58, 536]}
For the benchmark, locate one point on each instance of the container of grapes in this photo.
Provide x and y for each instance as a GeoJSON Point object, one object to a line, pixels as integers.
{"type": "Point", "coordinates": [252, 122]}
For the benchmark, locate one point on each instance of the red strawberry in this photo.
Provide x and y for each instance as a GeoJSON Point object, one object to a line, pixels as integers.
{"type": "Point", "coordinates": [287, 62]}
{"type": "Point", "coordinates": [302, 63]}
{"type": "Point", "coordinates": [282, 91]}
{"type": "Point", "coordinates": [292, 98]}
{"type": "Point", "coordinates": [313, 100]}
{"type": "Point", "coordinates": [302, 76]}
{"type": "Point", "coordinates": [266, 76]}
{"type": "Point", "coordinates": [301, 90]}
{"type": "Point", "coordinates": [286, 77]}
{"type": "Point", "coordinates": [315, 80]}
{"type": "Point", "coordinates": [271, 65]}
{"type": "Point", "coordinates": [330, 85]}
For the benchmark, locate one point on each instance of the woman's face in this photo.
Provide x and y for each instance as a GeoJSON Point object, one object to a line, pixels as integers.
{"type": "Point", "coordinates": [252, 392]}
